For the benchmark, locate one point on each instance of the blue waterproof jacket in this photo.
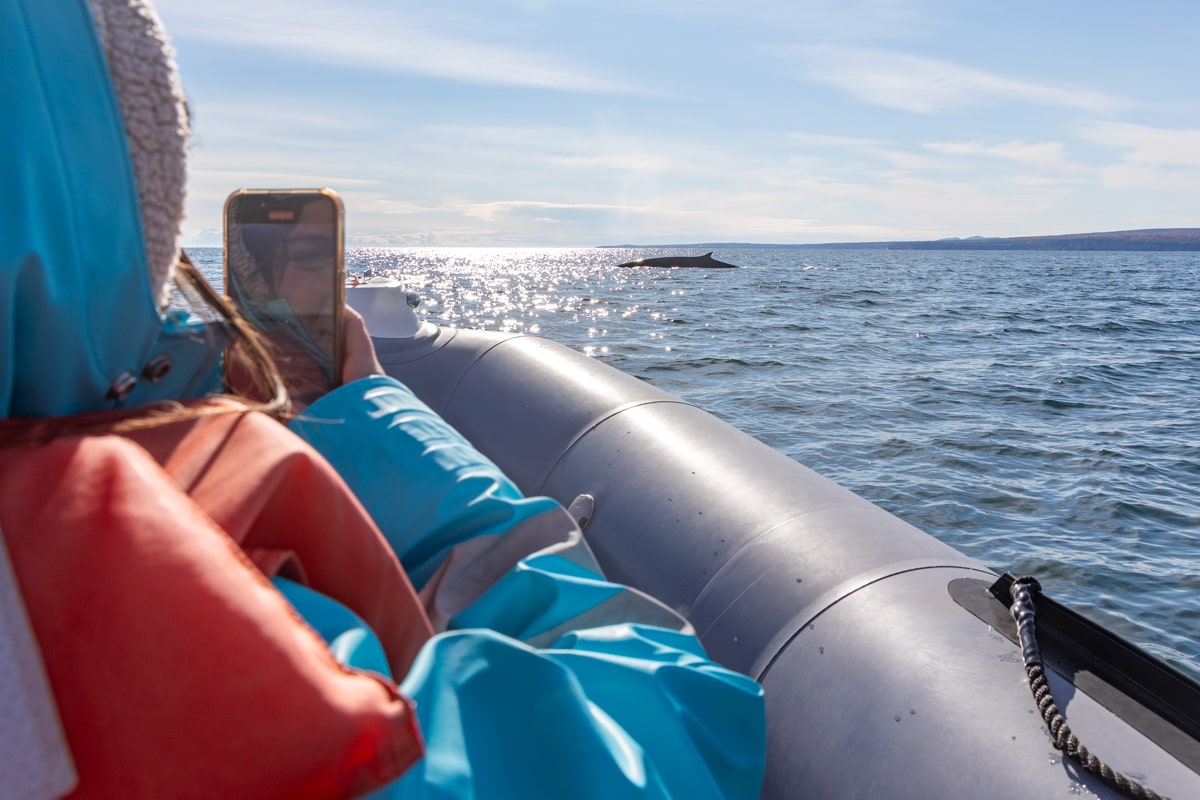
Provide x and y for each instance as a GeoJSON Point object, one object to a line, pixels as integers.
{"type": "Point", "coordinates": [76, 308]}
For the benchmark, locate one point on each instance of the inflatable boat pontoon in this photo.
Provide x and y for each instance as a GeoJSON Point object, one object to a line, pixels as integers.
{"type": "Point", "coordinates": [890, 660]}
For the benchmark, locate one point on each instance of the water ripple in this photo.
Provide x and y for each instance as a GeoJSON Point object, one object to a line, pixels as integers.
{"type": "Point", "coordinates": [1035, 410]}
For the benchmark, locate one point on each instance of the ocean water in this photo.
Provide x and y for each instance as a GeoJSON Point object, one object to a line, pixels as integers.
{"type": "Point", "coordinates": [1035, 410]}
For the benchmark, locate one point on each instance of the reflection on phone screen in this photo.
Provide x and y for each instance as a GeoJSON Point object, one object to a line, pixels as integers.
{"type": "Point", "coordinates": [282, 272]}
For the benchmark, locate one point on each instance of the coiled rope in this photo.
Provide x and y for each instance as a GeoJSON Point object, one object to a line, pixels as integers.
{"type": "Point", "coordinates": [1064, 739]}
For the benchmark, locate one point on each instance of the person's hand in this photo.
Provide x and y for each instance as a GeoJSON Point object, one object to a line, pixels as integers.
{"type": "Point", "coordinates": [360, 359]}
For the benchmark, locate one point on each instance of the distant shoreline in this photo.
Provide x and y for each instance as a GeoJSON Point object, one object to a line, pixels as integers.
{"type": "Point", "coordinates": [1160, 239]}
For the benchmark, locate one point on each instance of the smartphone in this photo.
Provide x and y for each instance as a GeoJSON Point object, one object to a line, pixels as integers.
{"type": "Point", "coordinates": [285, 271]}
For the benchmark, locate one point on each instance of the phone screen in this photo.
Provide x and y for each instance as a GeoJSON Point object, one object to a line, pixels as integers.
{"type": "Point", "coordinates": [284, 270]}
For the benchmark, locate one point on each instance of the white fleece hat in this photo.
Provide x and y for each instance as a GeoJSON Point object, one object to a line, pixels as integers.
{"type": "Point", "coordinates": [145, 77]}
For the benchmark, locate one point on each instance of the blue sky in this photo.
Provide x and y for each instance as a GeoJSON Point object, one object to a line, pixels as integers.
{"type": "Point", "coordinates": [578, 123]}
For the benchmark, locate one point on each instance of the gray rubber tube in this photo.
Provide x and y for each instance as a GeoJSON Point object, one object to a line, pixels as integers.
{"type": "Point", "coordinates": [878, 683]}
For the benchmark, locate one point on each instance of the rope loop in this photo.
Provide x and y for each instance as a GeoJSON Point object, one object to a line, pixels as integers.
{"type": "Point", "coordinates": [1025, 615]}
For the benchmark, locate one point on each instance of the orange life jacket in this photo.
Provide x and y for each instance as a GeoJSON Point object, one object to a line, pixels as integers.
{"type": "Point", "coordinates": [177, 669]}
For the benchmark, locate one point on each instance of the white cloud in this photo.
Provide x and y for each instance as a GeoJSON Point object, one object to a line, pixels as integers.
{"type": "Point", "coordinates": [275, 178]}
{"type": "Point", "coordinates": [388, 38]}
{"type": "Point", "coordinates": [926, 85]}
{"type": "Point", "coordinates": [495, 210]}
{"type": "Point", "coordinates": [1149, 146]}
{"type": "Point", "coordinates": [821, 140]}
{"type": "Point", "coordinates": [574, 158]}
{"type": "Point", "coordinates": [863, 19]}
{"type": "Point", "coordinates": [1042, 155]}
{"type": "Point", "coordinates": [909, 161]}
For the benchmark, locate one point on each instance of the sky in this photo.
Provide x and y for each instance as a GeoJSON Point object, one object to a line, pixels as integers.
{"type": "Point", "coordinates": [581, 123]}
